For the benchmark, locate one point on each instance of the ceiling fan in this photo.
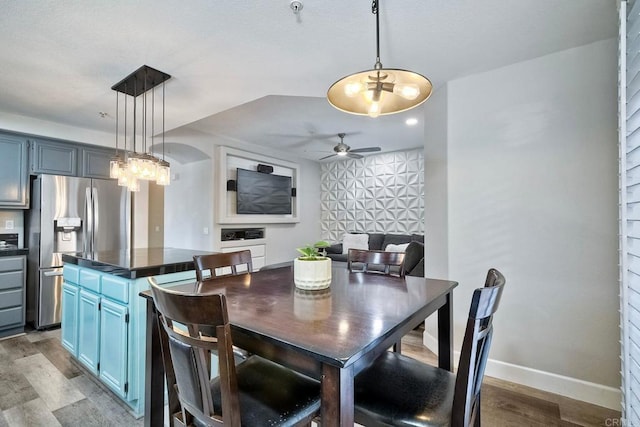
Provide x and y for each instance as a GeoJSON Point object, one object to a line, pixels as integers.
{"type": "Point", "coordinates": [343, 149]}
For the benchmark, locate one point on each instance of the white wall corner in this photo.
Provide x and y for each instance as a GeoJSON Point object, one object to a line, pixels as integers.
{"type": "Point", "coordinates": [585, 391]}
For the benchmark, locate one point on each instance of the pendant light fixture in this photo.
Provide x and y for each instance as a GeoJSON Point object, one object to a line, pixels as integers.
{"type": "Point", "coordinates": [132, 166]}
{"type": "Point", "coordinates": [379, 91]}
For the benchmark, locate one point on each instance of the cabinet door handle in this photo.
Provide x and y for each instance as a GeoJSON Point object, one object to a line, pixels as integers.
{"type": "Point", "coordinates": [53, 273]}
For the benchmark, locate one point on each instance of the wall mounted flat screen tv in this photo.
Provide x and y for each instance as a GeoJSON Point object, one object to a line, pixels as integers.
{"type": "Point", "coordinates": [262, 193]}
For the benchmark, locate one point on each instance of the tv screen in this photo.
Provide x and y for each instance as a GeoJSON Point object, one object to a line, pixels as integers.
{"type": "Point", "coordinates": [262, 193]}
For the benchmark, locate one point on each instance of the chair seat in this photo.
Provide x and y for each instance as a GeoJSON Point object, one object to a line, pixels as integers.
{"type": "Point", "coordinates": [400, 391]}
{"type": "Point", "coordinates": [269, 394]}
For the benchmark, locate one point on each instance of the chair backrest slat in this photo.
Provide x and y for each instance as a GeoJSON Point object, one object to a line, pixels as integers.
{"type": "Point", "coordinates": [222, 264]}
{"type": "Point", "coordinates": [187, 318]}
{"type": "Point", "coordinates": [381, 262]}
{"type": "Point", "coordinates": [475, 349]}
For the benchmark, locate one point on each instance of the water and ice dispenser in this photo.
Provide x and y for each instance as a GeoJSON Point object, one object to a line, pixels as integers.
{"type": "Point", "coordinates": [68, 234]}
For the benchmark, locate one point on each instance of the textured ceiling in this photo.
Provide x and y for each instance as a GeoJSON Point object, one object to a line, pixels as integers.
{"type": "Point", "coordinates": [59, 59]}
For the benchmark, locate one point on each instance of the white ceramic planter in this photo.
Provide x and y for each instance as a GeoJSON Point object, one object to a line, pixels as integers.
{"type": "Point", "coordinates": [312, 275]}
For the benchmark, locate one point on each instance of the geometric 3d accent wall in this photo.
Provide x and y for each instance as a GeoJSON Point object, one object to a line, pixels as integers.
{"type": "Point", "coordinates": [379, 193]}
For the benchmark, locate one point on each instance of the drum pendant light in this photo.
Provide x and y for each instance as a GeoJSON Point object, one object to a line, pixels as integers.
{"type": "Point", "coordinates": [379, 91]}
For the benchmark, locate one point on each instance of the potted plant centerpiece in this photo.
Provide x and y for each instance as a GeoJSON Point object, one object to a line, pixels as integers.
{"type": "Point", "coordinates": [312, 270]}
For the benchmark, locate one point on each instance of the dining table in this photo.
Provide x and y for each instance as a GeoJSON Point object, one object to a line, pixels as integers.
{"type": "Point", "coordinates": [330, 334]}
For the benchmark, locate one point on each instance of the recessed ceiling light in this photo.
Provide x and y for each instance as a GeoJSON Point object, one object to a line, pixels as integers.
{"type": "Point", "coordinates": [411, 121]}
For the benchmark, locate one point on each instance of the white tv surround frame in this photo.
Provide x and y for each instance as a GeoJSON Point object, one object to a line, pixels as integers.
{"type": "Point", "coordinates": [229, 159]}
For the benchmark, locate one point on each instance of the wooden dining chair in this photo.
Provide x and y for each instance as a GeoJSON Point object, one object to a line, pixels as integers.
{"type": "Point", "coordinates": [256, 392]}
{"type": "Point", "coordinates": [222, 264]}
{"type": "Point", "coordinates": [380, 262]}
{"type": "Point", "coordinates": [398, 390]}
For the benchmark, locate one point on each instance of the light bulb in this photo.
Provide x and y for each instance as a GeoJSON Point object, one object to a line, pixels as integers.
{"type": "Point", "coordinates": [352, 89]}
{"type": "Point", "coordinates": [114, 168]}
{"type": "Point", "coordinates": [148, 168]}
{"type": "Point", "coordinates": [408, 91]}
{"type": "Point", "coordinates": [342, 153]}
{"type": "Point", "coordinates": [374, 110]}
{"type": "Point", "coordinates": [133, 184]}
{"type": "Point", "coordinates": [133, 165]}
{"type": "Point", "coordinates": [368, 95]}
{"type": "Point", "coordinates": [163, 174]}
{"type": "Point", "coordinates": [122, 179]}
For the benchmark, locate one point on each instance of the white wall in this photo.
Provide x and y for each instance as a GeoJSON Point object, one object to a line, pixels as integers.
{"type": "Point", "coordinates": [532, 184]}
{"type": "Point", "coordinates": [188, 206]}
{"type": "Point", "coordinates": [435, 186]}
{"type": "Point", "coordinates": [17, 216]}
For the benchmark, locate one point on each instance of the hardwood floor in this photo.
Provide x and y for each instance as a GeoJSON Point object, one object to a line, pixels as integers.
{"type": "Point", "coordinates": [506, 404]}
{"type": "Point", "coordinates": [41, 386]}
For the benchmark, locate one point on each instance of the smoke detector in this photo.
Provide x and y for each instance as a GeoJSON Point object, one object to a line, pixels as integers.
{"type": "Point", "coordinates": [296, 6]}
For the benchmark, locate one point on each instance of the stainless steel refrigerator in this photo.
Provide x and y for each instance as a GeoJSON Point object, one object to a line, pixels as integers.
{"type": "Point", "coordinates": [69, 215]}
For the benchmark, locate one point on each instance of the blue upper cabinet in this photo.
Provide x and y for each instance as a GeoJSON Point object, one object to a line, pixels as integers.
{"type": "Point", "coordinates": [54, 158]}
{"type": "Point", "coordinates": [14, 173]}
{"type": "Point", "coordinates": [95, 162]}
{"type": "Point", "coordinates": [70, 159]}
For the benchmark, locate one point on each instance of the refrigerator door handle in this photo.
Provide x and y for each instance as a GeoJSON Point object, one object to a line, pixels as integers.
{"type": "Point", "coordinates": [88, 229]}
{"type": "Point", "coordinates": [53, 273]}
{"type": "Point", "coordinates": [96, 218]}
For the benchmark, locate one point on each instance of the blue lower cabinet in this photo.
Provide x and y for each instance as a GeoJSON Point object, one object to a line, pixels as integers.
{"type": "Point", "coordinates": [69, 328]}
{"type": "Point", "coordinates": [114, 319]}
{"type": "Point", "coordinates": [89, 330]}
{"type": "Point", "coordinates": [104, 327]}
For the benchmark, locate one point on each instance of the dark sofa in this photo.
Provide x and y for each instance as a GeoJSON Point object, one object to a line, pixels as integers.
{"type": "Point", "coordinates": [414, 254]}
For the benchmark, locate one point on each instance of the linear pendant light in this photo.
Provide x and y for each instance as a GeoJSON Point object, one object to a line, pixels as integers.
{"type": "Point", "coordinates": [379, 91]}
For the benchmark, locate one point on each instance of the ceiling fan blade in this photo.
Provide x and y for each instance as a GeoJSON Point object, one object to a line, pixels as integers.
{"type": "Point", "coordinates": [353, 156]}
{"type": "Point", "coordinates": [365, 150]}
{"type": "Point", "coordinates": [326, 157]}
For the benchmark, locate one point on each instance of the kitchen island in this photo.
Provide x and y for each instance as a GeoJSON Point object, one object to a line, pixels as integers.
{"type": "Point", "coordinates": [103, 318]}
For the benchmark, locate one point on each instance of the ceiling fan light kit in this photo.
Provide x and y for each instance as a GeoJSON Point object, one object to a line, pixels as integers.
{"type": "Point", "coordinates": [379, 91]}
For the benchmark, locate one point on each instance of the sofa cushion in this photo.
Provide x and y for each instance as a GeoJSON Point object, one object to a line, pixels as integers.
{"type": "Point", "coordinates": [336, 248]}
{"type": "Point", "coordinates": [375, 241]}
{"type": "Point", "coordinates": [338, 257]}
{"type": "Point", "coordinates": [418, 270]}
{"type": "Point", "coordinates": [413, 255]}
{"type": "Point", "coordinates": [355, 241]}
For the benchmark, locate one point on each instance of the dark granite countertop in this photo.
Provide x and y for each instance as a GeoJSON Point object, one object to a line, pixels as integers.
{"type": "Point", "coordinates": [136, 263]}
{"type": "Point", "coordinates": [14, 252]}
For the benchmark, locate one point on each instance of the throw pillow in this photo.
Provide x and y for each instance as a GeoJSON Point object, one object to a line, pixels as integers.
{"type": "Point", "coordinates": [396, 239]}
{"type": "Point", "coordinates": [355, 241]}
{"type": "Point", "coordinates": [396, 248]}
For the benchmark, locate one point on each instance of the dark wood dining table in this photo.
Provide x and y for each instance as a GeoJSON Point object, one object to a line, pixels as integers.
{"type": "Point", "coordinates": [329, 334]}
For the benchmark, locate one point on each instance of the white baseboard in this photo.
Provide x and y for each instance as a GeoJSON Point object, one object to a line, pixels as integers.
{"type": "Point", "coordinates": [585, 391]}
